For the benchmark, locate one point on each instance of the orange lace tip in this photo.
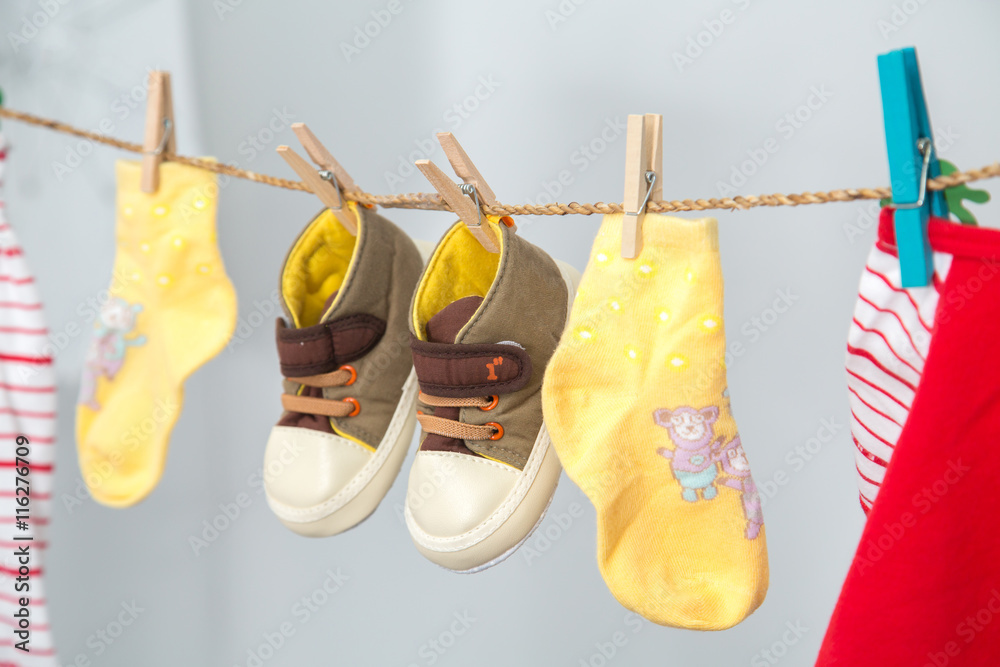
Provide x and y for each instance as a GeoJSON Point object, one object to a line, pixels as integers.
{"type": "Point", "coordinates": [496, 427]}
{"type": "Point", "coordinates": [420, 412]}
{"type": "Point", "coordinates": [494, 399]}
{"type": "Point", "coordinates": [507, 220]}
{"type": "Point", "coordinates": [354, 374]}
{"type": "Point", "coordinates": [354, 402]}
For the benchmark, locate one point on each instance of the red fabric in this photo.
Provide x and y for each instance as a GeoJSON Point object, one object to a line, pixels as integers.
{"type": "Point", "coordinates": [924, 587]}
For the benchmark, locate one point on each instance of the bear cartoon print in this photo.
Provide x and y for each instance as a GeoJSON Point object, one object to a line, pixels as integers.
{"type": "Point", "coordinates": [107, 348]}
{"type": "Point", "coordinates": [737, 476]}
{"type": "Point", "coordinates": [698, 455]}
{"type": "Point", "coordinates": [696, 452]}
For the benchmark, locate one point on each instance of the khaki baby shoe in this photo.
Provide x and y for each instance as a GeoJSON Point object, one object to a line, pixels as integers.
{"type": "Point", "coordinates": [484, 326]}
{"type": "Point", "coordinates": [349, 384]}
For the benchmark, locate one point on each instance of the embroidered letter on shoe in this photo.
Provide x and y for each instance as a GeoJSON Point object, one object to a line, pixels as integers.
{"type": "Point", "coordinates": [497, 361]}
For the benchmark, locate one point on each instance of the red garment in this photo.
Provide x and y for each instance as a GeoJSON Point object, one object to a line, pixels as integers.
{"type": "Point", "coordinates": [924, 587]}
{"type": "Point", "coordinates": [28, 409]}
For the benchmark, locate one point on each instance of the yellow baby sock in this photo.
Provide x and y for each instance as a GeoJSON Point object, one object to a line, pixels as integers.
{"type": "Point", "coordinates": [636, 403]}
{"type": "Point", "coordinates": [169, 309]}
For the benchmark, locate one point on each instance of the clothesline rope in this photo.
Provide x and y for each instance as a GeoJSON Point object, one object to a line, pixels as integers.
{"type": "Point", "coordinates": [434, 202]}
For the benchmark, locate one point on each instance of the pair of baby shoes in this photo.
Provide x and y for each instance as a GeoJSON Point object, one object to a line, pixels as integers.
{"type": "Point", "coordinates": [374, 341]}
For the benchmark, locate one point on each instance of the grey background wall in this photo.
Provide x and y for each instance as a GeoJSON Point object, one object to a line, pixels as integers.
{"type": "Point", "coordinates": [532, 90]}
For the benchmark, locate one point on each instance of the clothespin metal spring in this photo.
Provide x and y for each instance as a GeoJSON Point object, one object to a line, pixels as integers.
{"type": "Point", "coordinates": [924, 146]}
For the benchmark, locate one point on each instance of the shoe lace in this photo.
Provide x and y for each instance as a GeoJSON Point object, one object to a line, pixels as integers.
{"type": "Point", "coordinates": [327, 407]}
{"type": "Point", "coordinates": [453, 428]}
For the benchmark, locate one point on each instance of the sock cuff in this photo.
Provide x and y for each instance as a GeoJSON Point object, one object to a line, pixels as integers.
{"type": "Point", "coordinates": [693, 235]}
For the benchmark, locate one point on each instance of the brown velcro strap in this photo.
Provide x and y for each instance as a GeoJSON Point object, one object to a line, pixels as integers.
{"type": "Point", "coordinates": [460, 371]}
{"type": "Point", "coordinates": [325, 347]}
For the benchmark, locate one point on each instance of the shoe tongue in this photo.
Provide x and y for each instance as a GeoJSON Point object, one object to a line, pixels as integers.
{"type": "Point", "coordinates": [327, 304]}
{"type": "Point", "coordinates": [444, 327]}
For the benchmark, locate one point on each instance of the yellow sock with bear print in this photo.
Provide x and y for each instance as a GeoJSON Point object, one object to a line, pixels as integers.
{"type": "Point", "coordinates": [169, 309]}
{"type": "Point", "coordinates": [637, 406]}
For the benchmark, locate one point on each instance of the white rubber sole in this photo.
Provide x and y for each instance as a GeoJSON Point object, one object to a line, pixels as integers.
{"type": "Point", "coordinates": [511, 524]}
{"type": "Point", "coordinates": [359, 498]}
{"type": "Point", "coordinates": [505, 555]}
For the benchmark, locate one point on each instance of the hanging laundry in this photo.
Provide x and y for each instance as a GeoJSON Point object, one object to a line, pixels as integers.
{"type": "Point", "coordinates": [485, 320]}
{"type": "Point", "coordinates": [887, 348]}
{"type": "Point", "coordinates": [483, 327]}
{"type": "Point", "coordinates": [27, 434]}
{"type": "Point", "coordinates": [350, 390]}
{"type": "Point", "coordinates": [171, 309]}
{"type": "Point", "coordinates": [637, 404]}
{"type": "Point", "coordinates": [930, 540]}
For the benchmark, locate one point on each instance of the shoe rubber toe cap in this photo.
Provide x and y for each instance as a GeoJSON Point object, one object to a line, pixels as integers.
{"type": "Point", "coordinates": [450, 493]}
{"type": "Point", "coordinates": [304, 468]}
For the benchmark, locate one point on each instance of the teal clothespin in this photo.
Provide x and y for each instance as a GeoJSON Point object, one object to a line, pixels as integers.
{"type": "Point", "coordinates": [910, 145]}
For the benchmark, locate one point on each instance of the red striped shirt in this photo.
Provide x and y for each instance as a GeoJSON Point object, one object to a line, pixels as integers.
{"type": "Point", "coordinates": [882, 348]}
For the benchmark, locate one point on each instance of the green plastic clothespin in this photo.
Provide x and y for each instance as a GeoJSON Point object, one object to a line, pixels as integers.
{"type": "Point", "coordinates": [957, 196]}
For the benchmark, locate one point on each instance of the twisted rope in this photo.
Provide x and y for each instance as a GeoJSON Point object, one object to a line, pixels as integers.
{"type": "Point", "coordinates": [434, 202]}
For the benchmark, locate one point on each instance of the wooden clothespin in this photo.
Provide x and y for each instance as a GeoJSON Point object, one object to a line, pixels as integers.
{"type": "Point", "coordinates": [330, 182]}
{"type": "Point", "coordinates": [161, 132]}
{"type": "Point", "coordinates": [643, 176]}
{"type": "Point", "coordinates": [466, 170]}
{"type": "Point", "coordinates": [467, 199]}
{"type": "Point", "coordinates": [910, 145]}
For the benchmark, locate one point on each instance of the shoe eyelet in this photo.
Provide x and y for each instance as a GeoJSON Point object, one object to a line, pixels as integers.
{"type": "Point", "coordinates": [354, 402]}
{"type": "Point", "coordinates": [494, 399]}
{"type": "Point", "coordinates": [354, 374]}
{"type": "Point", "coordinates": [496, 427]}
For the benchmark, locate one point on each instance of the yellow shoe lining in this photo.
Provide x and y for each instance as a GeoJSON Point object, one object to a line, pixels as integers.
{"type": "Point", "coordinates": [460, 267]}
{"type": "Point", "coordinates": [316, 266]}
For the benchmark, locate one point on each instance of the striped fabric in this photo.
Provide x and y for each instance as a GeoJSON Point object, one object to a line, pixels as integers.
{"type": "Point", "coordinates": [886, 351]}
{"type": "Point", "coordinates": [27, 407]}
